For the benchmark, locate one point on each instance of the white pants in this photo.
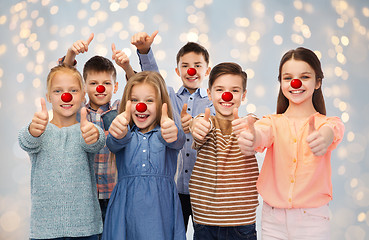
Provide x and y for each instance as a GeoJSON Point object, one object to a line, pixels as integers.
{"type": "Point", "coordinates": [295, 223]}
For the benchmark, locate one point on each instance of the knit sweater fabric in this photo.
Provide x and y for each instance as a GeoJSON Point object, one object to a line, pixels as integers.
{"type": "Point", "coordinates": [223, 182]}
{"type": "Point", "coordinates": [64, 199]}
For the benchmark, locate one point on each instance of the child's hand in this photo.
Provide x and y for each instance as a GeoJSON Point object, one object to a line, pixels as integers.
{"type": "Point", "coordinates": [185, 119]}
{"type": "Point", "coordinates": [39, 121]}
{"type": "Point", "coordinates": [201, 126]}
{"type": "Point", "coordinates": [317, 141]}
{"type": "Point", "coordinates": [81, 46]}
{"type": "Point", "coordinates": [238, 124]}
{"type": "Point", "coordinates": [169, 130]}
{"type": "Point", "coordinates": [143, 41]}
{"type": "Point", "coordinates": [89, 132]}
{"type": "Point", "coordinates": [246, 139]}
{"type": "Point", "coordinates": [120, 57]}
{"type": "Point", "coordinates": [119, 126]}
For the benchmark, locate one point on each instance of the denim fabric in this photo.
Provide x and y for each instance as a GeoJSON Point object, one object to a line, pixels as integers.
{"type": "Point", "coordinates": [205, 232]}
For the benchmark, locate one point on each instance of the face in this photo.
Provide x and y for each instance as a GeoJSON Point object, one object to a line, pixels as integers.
{"type": "Point", "coordinates": [65, 83]}
{"type": "Point", "coordinates": [94, 79]}
{"type": "Point", "coordinates": [227, 83]}
{"type": "Point", "coordinates": [144, 93]}
{"type": "Point", "coordinates": [192, 60]}
{"type": "Point", "coordinates": [295, 69]}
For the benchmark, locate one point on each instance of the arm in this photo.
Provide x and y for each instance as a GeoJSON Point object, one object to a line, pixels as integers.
{"type": "Point", "coordinates": [143, 42]}
{"type": "Point", "coordinates": [115, 145]}
{"type": "Point", "coordinates": [28, 142]}
{"type": "Point", "coordinates": [78, 47]}
{"type": "Point", "coordinates": [123, 61]}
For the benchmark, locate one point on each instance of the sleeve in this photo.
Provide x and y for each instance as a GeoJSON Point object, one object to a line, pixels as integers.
{"type": "Point", "coordinates": [338, 128]}
{"type": "Point", "coordinates": [115, 145]}
{"type": "Point", "coordinates": [265, 128]}
{"type": "Point", "coordinates": [98, 145]}
{"type": "Point", "coordinates": [28, 142]}
{"type": "Point", "coordinates": [197, 144]}
{"type": "Point", "coordinates": [61, 61]}
{"type": "Point", "coordinates": [148, 62]}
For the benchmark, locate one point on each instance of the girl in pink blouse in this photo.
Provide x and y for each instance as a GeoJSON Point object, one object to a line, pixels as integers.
{"type": "Point", "coordinates": [295, 179]}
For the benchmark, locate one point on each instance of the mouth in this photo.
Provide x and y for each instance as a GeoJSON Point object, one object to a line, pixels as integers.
{"type": "Point", "coordinates": [191, 79]}
{"type": "Point", "coordinates": [100, 95]}
{"type": "Point", "coordinates": [142, 117]}
{"type": "Point", "coordinates": [226, 104]}
{"type": "Point", "coordinates": [66, 106]}
{"type": "Point", "coordinates": [297, 91]}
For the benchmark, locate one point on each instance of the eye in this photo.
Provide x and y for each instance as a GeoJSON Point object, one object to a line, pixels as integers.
{"type": "Point", "coordinates": [287, 78]}
{"type": "Point", "coordinates": [235, 90]}
{"type": "Point", "coordinates": [74, 90]}
{"type": "Point", "coordinates": [108, 83]}
{"type": "Point", "coordinates": [134, 100]}
{"type": "Point", "coordinates": [57, 91]}
{"type": "Point", "coordinates": [305, 77]}
{"type": "Point", "coordinates": [92, 83]}
{"type": "Point", "coordinates": [150, 100]}
{"type": "Point", "coordinates": [198, 66]}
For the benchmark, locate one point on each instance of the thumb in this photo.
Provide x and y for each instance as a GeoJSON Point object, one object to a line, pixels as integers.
{"type": "Point", "coordinates": [90, 38]}
{"type": "Point", "coordinates": [207, 114]}
{"type": "Point", "coordinates": [127, 111]}
{"type": "Point", "coordinates": [235, 113]}
{"type": "Point", "coordinates": [113, 49]}
{"type": "Point", "coordinates": [311, 124]}
{"type": "Point", "coordinates": [250, 123]}
{"type": "Point", "coordinates": [164, 112]}
{"type": "Point", "coordinates": [153, 35]}
{"type": "Point", "coordinates": [83, 116]}
{"type": "Point", "coordinates": [184, 110]}
{"type": "Point", "coordinates": [43, 105]}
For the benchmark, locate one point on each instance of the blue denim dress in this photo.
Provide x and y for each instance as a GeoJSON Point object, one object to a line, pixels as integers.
{"type": "Point", "coordinates": [145, 204]}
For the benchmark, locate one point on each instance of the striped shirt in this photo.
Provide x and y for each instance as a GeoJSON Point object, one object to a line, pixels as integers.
{"type": "Point", "coordinates": [223, 181]}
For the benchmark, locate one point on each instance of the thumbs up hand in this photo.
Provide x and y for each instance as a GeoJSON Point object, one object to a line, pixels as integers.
{"type": "Point", "coordinates": [319, 141]}
{"type": "Point", "coordinates": [81, 46]}
{"type": "Point", "coordinates": [39, 121]}
{"type": "Point", "coordinates": [238, 124]}
{"type": "Point", "coordinates": [89, 132]}
{"type": "Point", "coordinates": [119, 126]}
{"type": "Point", "coordinates": [247, 138]}
{"type": "Point", "coordinates": [120, 57]}
{"type": "Point", "coordinates": [143, 41]}
{"type": "Point", "coordinates": [185, 119]}
{"type": "Point", "coordinates": [201, 126]}
{"type": "Point", "coordinates": [169, 130]}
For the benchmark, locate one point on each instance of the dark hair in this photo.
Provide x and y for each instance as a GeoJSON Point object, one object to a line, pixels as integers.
{"type": "Point", "coordinates": [308, 56]}
{"type": "Point", "coordinates": [99, 64]}
{"type": "Point", "coordinates": [227, 68]}
{"type": "Point", "coordinates": [193, 47]}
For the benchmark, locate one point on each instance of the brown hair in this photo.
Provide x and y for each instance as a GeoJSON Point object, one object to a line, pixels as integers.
{"type": "Point", "coordinates": [193, 47]}
{"type": "Point", "coordinates": [64, 69]}
{"type": "Point", "coordinates": [155, 80]}
{"type": "Point", "coordinates": [227, 68]}
{"type": "Point", "coordinates": [98, 64]}
{"type": "Point", "coordinates": [308, 56]}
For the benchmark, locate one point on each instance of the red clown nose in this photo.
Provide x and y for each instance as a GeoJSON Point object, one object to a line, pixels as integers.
{"type": "Point", "coordinates": [66, 97]}
{"type": "Point", "coordinates": [191, 71]}
{"type": "Point", "coordinates": [141, 107]}
{"type": "Point", "coordinates": [296, 83]}
{"type": "Point", "coordinates": [227, 96]}
{"type": "Point", "coordinates": [100, 89]}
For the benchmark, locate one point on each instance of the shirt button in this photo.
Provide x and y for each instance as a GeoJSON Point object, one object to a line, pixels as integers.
{"type": "Point", "coordinates": [143, 165]}
{"type": "Point", "coordinates": [294, 140]}
{"type": "Point", "coordinates": [294, 160]}
{"type": "Point", "coordinates": [290, 200]}
{"type": "Point", "coordinates": [99, 178]}
{"type": "Point", "coordinates": [188, 139]}
{"type": "Point", "coordinates": [292, 181]}
{"type": "Point", "coordinates": [144, 150]}
{"type": "Point", "coordinates": [144, 138]}
{"type": "Point", "coordinates": [186, 171]}
{"type": "Point", "coordinates": [187, 154]}
{"type": "Point", "coordinates": [189, 109]}
{"type": "Point", "coordinates": [191, 98]}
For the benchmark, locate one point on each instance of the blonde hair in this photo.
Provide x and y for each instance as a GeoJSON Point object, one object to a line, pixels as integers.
{"type": "Point", "coordinates": [155, 80]}
{"type": "Point", "coordinates": [64, 69]}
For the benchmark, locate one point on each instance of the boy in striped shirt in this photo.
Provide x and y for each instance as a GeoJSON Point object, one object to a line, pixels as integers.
{"type": "Point", "coordinates": [223, 182]}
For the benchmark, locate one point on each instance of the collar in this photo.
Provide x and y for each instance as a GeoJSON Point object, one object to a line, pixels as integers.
{"type": "Point", "coordinates": [200, 91]}
{"type": "Point", "coordinates": [136, 129]}
{"type": "Point", "coordinates": [104, 108]}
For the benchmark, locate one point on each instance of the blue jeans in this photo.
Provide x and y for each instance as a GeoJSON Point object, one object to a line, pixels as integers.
{"type": "Point", "coordinates": [205, 232]}
{"type": "Point", "coordinates": [93, 237]}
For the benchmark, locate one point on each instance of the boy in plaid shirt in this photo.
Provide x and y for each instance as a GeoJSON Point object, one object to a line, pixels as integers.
{"type": "Point", "coordinates": [99, 74]}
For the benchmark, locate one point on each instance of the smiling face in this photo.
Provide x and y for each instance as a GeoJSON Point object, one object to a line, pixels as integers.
{"type": "Point", "coordinates": [296, 69]}
{"type": "Point", "coordinates": [196, 61]}
{"type": "Point", "coordinates": [65, 112]}
{"type": "Point", "coordinates": [97, 97]}
{"type": "Point", "coordinates": [144, 93]}
{"type": "Point", "coordinates": [227, 83]}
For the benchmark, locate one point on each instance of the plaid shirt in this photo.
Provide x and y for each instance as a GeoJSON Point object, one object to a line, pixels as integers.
{"type": "Point", "coordinates": [105, 170]}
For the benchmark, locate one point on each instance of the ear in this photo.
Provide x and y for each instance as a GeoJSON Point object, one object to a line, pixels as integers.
{"type": "Point", "coordinates": [208, 71]}
{"type": "Point", "coordinates": [244, 95]}
{"type": "Point", "coordinates": [318, 84]}
{"type": "Point", "coordinates": [209, 94]}
{"type": "Point", "coordinates": [115, 88]}
{"type": "Point", "coordinates": [48, 97]}
{"type": "Point", "coordinates": [178, 73]}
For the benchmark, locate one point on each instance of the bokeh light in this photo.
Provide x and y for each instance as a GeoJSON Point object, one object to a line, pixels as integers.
{"type": "Point", "coordinates": [255, 34]}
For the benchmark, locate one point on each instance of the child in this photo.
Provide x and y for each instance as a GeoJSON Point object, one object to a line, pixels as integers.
{"type": "Point", "coordinates": [146, 141]}
{"type": "Point", "coordinates": [63, 187]}
{"type": "Point", "coordinates": [99, 74]}
{"type": "Point", "coordinates": [223, 182]}
{"type": "Point", "coordinates": [190, 100]}
{"type": "Point", "coordinates": [295, 180]}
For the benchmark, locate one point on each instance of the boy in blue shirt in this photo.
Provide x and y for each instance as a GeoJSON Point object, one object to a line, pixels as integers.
{"type": "Point", "coordinates": [189, 101]}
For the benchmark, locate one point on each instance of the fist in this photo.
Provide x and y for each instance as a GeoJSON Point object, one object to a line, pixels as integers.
{"type": "Point", "coordinates": [39, 121]}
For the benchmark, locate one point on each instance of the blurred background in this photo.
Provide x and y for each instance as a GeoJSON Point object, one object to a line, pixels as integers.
{"type": "Point", "coordinates": [255, 34]}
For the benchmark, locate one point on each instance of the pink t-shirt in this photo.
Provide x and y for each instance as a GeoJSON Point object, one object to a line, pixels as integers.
{"type": "Point", "coordinates": [291, 176]}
